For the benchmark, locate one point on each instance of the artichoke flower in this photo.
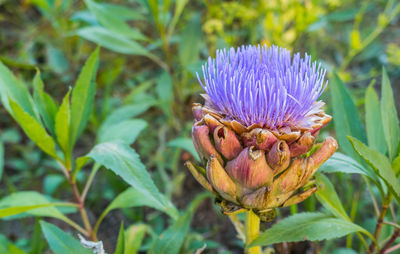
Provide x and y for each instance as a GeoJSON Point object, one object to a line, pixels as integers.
{"type": "Point", "coordinates": [256, 130]}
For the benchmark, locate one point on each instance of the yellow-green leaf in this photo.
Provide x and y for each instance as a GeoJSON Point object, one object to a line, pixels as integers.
{"type": "Point", "coordinates": [33, 129]}
{"type": "Point", "coordinates": [62, 124]}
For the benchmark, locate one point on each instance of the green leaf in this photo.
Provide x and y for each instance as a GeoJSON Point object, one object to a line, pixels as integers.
{"type": "Point", "coordinates": [186, 144]}
{"type": "Point", "coordinates": [112, 41]}
{"type": "Point", "coordinates": [44, 102]}
{"type": "Point", "coordinates": [164, 92]}
{"type": "Point", "coordinates": [379, 163]}
{"type": "Point", "coordinates": [34, 130]}
{"type": "Point", "coordinates": [120, 248]}
{"type": "Point", "coordinates": [345, 116]}
{"type": "Point", "coordinates": [12, 88]}
{"type": "Point", "coordinates": [373, 120]}
{"type": "Point", "coordinates": [125, 131]}
{"type": "Point", "coordinates": [124, 113]}
{"type": "Point", "coordinates": [7, 247]}
{"type": "Point", "coordinates": [328, 197]}
{"type": "Point", "coordinates": [125, 162]}
{"type": "Point", "coordinates": [83, 96]}
{"type": "Point", "coordinates": [189, 48]}
{"type": "Point", "coordinates": [61, 242]}
{"type": "Point", "coordinates": [396, 165]}
{"type": "Point", "coordinates": [1, 159]}
{"type": "Point", "coordinates": [132, 198]}
{"type": "Point", "coordinates": [134, 236]}
{"type": "Point", "coordinates": [30, 202]}
{"type": "Point", "coordinates": [390, 120]}
{"type": "Point", "coordinates": [62, 124]}
{"type": "Point", "coordinates": [37, 240]}
{"type": "Point", "coordinates": [306, 226]}
{"type": "Point", "coordinates": [170, 241]}
{"type": "Point", "coordinates": [340, 162]}
{"type": "Point", "coordinates": [113, 22]}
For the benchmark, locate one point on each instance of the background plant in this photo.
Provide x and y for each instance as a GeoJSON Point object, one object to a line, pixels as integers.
{"type": "Point", "coordinates": [148, 72]}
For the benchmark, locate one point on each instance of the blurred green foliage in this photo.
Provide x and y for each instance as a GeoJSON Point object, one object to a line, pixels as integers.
{"type": "Point", "coordinates": [151, 51]}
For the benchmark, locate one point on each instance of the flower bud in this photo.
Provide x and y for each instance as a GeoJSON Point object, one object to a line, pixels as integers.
{"type": "Point", "coordinates": [250, 169]}
{"type": "Point", "coordinates": [279, 156]}
{"type": "Point", "coordinates": [202, 142]}
{"type": "Point", "coordinates": [226, 142]}
{"type": "Point", "coordinates": [301, 146]}
{"type": "Point", "coordinates": [220, 180]}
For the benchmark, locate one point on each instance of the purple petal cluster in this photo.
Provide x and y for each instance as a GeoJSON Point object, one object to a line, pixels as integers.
{"type": "Point", "coordinates": [263, 85]}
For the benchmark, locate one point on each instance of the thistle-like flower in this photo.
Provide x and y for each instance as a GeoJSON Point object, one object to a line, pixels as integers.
{"type": "Point", "coordinates": [257, 127]}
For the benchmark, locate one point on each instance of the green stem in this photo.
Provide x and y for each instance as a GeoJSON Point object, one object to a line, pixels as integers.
{"type": "Point", "coordinates": [252, 228]}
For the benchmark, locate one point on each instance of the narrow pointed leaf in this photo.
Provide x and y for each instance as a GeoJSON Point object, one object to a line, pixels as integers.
{"type": "Point", "coordinates": [12, 88]}
{"type": "Point", "coordinates": [83, 96]}
{"type": "Point", "coordinates": [45, 104]}
{"type": "Point", "coordinates": [328, 197]}
{"type": "Point", "coordinates": [306, 226]}
{"type": "Point", "coordinates": [112, 41]}
{"type": "Point", "coordinates": [380, 163]}
{"type": "Point", "coordinates": [120, 248]}
{"type": "Point", "coordinates": [113, 22]}
{"type": "Point", "coordinates": [390, 120]}
{"type": "Point", "coordinates": [373, 120]}
{"type": "Point", "coordinates": [34, 130]}
{"type": "Point", "coordinates": [345, 116]}
{"type": "Point", "coordinates": [62, 123]}
{"type": "Point", "coordinates": [134, 236]}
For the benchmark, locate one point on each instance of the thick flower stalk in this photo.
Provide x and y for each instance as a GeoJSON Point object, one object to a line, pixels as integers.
{"type": "Point", "coordinates": [256, 131]}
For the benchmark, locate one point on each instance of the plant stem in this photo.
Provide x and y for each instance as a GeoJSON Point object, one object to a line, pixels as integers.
{"type": "Point", "coordinates": [393, 238]}
{"type": "Point", "coordinates": [379, 222]}
{"type": "Point", "coordinates": [252, 228]}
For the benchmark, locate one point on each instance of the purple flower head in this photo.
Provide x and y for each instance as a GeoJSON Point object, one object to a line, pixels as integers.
{"type": "Point", "coordinates": [261, 85]}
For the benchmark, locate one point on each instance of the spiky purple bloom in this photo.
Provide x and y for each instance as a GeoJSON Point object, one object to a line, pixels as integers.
{"type": "Point", "coordinates": [261, 85]}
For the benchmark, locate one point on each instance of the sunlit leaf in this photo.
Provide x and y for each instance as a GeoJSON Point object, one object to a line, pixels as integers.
{"type": "Point", "coordinates": [34, 130]}
{"type": "Point", "coordinates": [29, 202]}
{"type": "Point", "coordinates": [62, 124]}
{"type": "Point", "coordinates": [12, 88]}
{"type": "Point", "coordinates": [83, 96]}
{"type": "Point", "coordinates": [134, 236]}
{"type": "Point", "coordinates": [44, 102]}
